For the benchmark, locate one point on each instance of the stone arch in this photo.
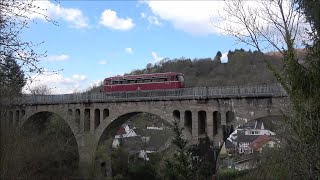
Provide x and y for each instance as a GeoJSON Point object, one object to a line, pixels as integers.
{"type": "Point", "coordinates": [126, 115]}
{"type": "Point", "coordinates": [97, 115]}
{"type": "Point", "coordinates": [110, 129]}
{"type": "Point", "coordinates": [188, 121]}
{"type": "Point", "coordinates": [105, 113]}
{"type": "Point", "coordinates": [23, 112]}
{"type": "Point", "coordinates": [176, 115]}
{"type": "Point", "coordinates": [269, 116]}
{"type": "Point", "coordinates": [71, 125]}
{"type": "Point", "coordinates": [77, 118]}
{"type": "Point", "coordinates": [229, 116]}
{"type": "Point", "coordinates": [45, 115]}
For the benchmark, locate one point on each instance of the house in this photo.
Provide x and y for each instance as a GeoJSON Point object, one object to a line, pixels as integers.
{"type": "Point", "coordinates": [246, 134]}
{"type": "Point", "coordinates": [123, 132]}
{"type": "Point", "coordinates": [256, 128]}
{"type": "Point", "coordinates": [138, 146]}
{"type": "Point", "coordinates": [243, 141]}
{"type": "Point", "coordinates": [263, 141]}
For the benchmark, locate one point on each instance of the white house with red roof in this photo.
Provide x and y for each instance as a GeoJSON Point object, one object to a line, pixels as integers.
{"type": "Point", "coordinates": [253, 132]}
{"type": "Point", "coordinates": [123, 132]}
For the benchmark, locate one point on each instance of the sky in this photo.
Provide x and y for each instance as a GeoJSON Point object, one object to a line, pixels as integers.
{"type": "Point", "coordinates": [97, 39]}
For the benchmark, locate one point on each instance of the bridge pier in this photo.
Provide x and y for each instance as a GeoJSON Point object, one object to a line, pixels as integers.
{"type": "Point", "coordinates": [14, 119]}
{"type": "Point", "coordinates": [82, 119]}
{"type": "Point", "coordinates": [223, 118]}
{"type": "Point", "coordinates": [210, 125]}
{"type": "Point", "coordinates": [195, 128]}
{"type": "Point", "coordinates": [92, 120]}
{"type": "Point", "coordinates": [86, 148]}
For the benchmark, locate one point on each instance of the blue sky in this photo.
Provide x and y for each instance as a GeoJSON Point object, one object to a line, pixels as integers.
{"type": "Point", "coordinates": [97, 39]}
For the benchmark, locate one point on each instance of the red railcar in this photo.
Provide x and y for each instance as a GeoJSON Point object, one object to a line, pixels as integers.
{"type": "Point", "coordinates": [170, 80]}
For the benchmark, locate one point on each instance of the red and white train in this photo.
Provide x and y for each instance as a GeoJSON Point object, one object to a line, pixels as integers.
{"type": "Point", "coordinates": [169, 80]}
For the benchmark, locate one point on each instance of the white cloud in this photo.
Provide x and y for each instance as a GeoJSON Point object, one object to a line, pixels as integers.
{"type": "Point", "coordinates": [190, 16]}
{"type": "Point", "coordinates": [96, 83]}
{"type": "Point", "coordinates": [143, 15]}
{"type": "Point", "coordinates": [73, 16]}
{"type": "Point", "coordinates": [79, 77]}
{"type": "Point", "coordinates": [128, 50]}
{"type": "Point", "coordinates": [61, 57]}
{"type": "Point", "coordinates": [197, 17]}
{"type": "Point", "coordinates": [102, 62]}
{"type": "Point", "coordinates": [156, 57]}
{"type": "Point", "coordinates": [153, 20]}
{"type": "Point", "coordinates": [58, 83]}
{"type": "Point", "coordinates": [110, 19]}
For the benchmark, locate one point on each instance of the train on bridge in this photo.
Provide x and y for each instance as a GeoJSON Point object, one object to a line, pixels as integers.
{"type": "Point", "coordinates": [143, 82]}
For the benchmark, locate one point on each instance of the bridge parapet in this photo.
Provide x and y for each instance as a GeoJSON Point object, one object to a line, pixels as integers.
{"type": "Point", "coordinates": [274, 90]}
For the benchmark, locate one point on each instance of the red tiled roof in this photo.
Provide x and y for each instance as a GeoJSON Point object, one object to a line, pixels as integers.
{"type": "Point", "coordinates": [121, 131]}
{"type": "Point", "coordinates": [259, 142]}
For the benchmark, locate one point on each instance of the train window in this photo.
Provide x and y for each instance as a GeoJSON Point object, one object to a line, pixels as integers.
{"type": "Point", "coordinates": [155, 79]}
{"type": "Point", "coordinates": [115, 82]}
{"type": "Point", "coordinates": [131, 81]}
{"type": "Point", "coordinates": [163, 78]}
{"type": "Point", "coordinates": [147, 80]}
{"type": "Point", "coordinates": [139, 80]}
{"type": "Point", "coordinates": [123, 81]}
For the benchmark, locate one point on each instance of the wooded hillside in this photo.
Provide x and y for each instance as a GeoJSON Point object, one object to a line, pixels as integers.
{"type": "Point", "coordinates": [243, 68]}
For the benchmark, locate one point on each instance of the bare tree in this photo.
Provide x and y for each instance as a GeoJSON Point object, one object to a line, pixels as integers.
{"type": "Point", "coordinates": [40, 90]}
{"type": "Point", "coordinates": [15, 17]}
{"type": "Point", "coordinates": [266, 25]}
{"type": "Point", "coordinates": [280, 25]}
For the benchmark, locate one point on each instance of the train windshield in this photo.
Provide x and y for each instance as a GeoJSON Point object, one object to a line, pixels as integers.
{"type": "Point", "coordinates": [180, 78]}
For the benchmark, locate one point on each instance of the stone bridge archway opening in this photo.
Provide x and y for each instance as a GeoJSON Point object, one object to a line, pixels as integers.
{"type": "Point", "coordinates": [134, 137]}
{"type": "Point", "coordinates": [51, 144]}
{"type": "Point", "coordinates": [246, 140]}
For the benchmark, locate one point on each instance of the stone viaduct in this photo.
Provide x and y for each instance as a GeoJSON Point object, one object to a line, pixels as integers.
{"type": "Point", "coordinates": [202, 111]}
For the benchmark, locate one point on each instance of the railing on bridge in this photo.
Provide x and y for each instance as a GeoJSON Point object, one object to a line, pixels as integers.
{"type": "Point", "coordinates": [185, 93]}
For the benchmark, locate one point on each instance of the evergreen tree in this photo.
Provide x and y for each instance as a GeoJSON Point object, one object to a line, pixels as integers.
{"type": "Point", "coordinates": [218, 57]}
{"type": "Point", "coordinates": [311, 11]}
{"type": "Point", "coordinates": [12, 77]}
{"type": "Point", "coordinates": [180, 167]}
